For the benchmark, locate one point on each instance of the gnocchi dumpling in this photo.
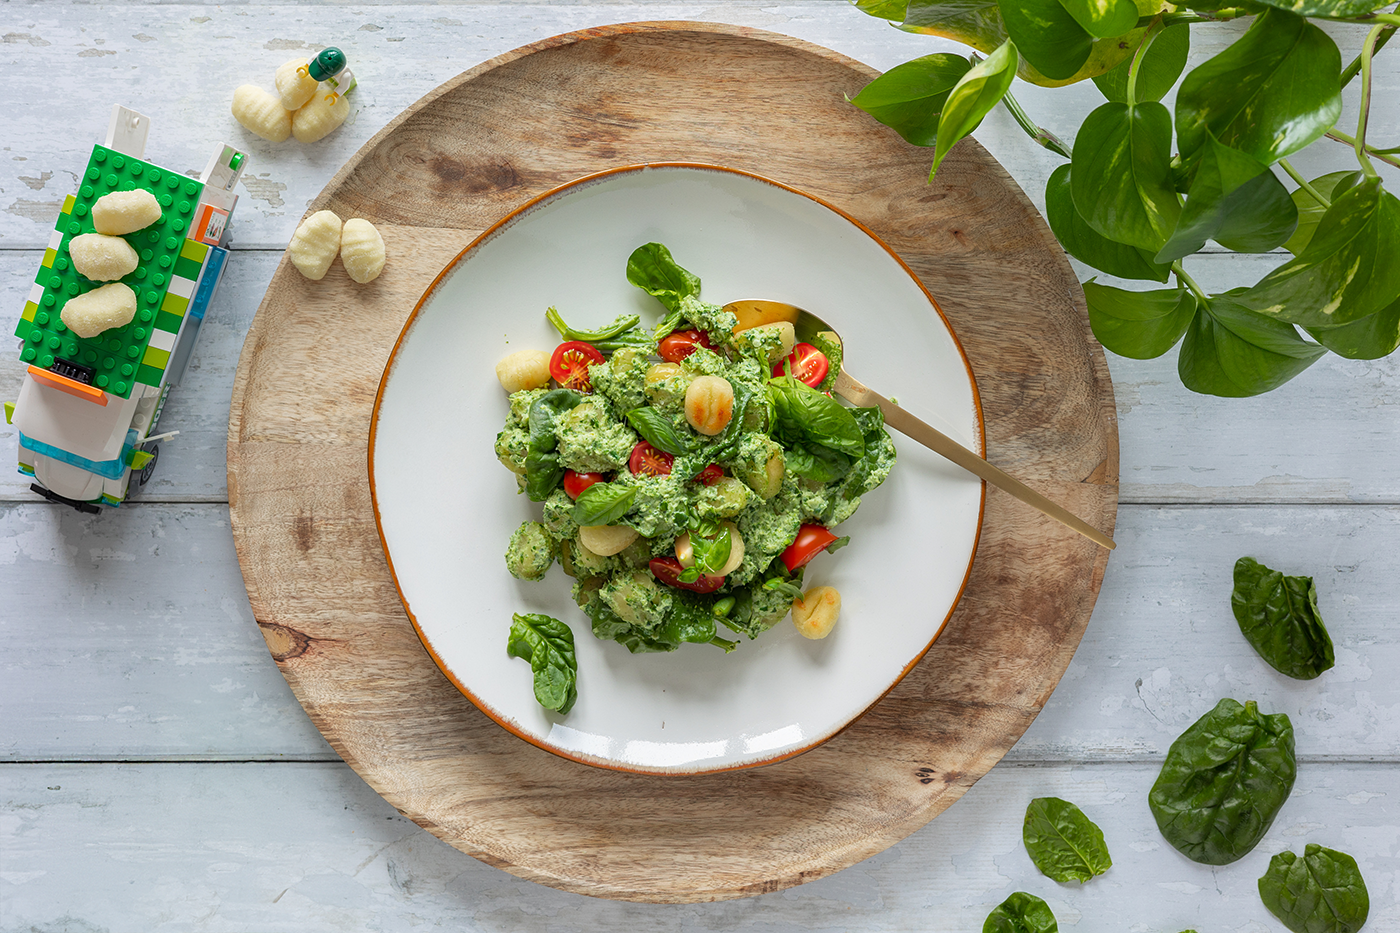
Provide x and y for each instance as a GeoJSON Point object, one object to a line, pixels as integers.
{"type": "Point", "coordinates": [321, 114]}
{"type": "Point", "coordinates": [261, 113]}
{"type": "Point", "coordinates": [102, 258]}
{"type": "Point", "coordinates": [119, 212]}
{"type": "Point", "coordinates": [89, 314]}
{"type": "Point", "coordinates": [361, 250]}
{"type": "Point", "coordinates": [816, 612]}
{"type": "Point", "coordinates": [523, 369]}
{"type": "Point", "coordinates": [315, 244]}
{"type": "Point", "coordinates": [295, 84]}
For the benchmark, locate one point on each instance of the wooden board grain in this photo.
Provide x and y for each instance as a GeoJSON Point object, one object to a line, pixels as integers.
{"type": "Point", "coordinates": [443, 171]}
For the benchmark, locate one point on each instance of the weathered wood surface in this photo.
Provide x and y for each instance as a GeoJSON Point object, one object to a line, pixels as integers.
{"type": "Point", "coordinates": [173, 640]}
{"type": "Point", "coordinates": [462, 159]}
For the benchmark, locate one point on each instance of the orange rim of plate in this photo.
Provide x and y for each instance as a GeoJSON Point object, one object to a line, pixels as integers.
{"type": "Point", "coordinates": [491, 232]}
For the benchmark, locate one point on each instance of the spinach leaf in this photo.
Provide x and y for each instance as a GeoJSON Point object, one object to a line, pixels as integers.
{"type": "Point", "coordinates": [1235, 200]}
{"type": "Point", "coordinates": [1279, 617]}
{"type": "Point", "coordinates": [657, 430]}
{"type": "Point", "coordinates": [603, 503]}
{"type": "Point", "coordinates": [548, 645]}
{"type": "Point", "coordinates": [1062, 842]}
{"type": "Point", "coordinates": [909, 97]}
{"type": "Point", "coordinates": [1161, 65]}
{"type": "Point", "coordinates": [1021, 913]}
{"type": "Point", "coordinates": [1322, 892]}
{"type": "Point", "coordinates": [870, 470]}
{"type": "Point", "coordinates": [1234, 352]}
{"type": "Point", "coordinates": [802, 413]}
{"type": "Point", "coordinates": [543, 471]}
{"type": "Point", "coordinates": [1139, 325]}
{"type": "Point", "coordinates": [1047, 36]}
{"type": "Point", "coordinates": [1276, 89]}
{"type": "Point", "coordinates": [973, 97]}
{"type": "Point", "coordinates": [1121, 181]}
{"type": "Point", "coordinates": [814, 462]}
{"type": "Point", "coordinates": [1087, 245]}
{"type": "Point", "coordinates": [1224, 781]}
{"type": "Point", "coordinates": [651, 268]}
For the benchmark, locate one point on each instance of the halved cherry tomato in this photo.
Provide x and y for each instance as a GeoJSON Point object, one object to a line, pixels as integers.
{"type": "Point", "coordinates": [646, 460]}
{"type": "Point", "coordinates": [569, 364]}
{"type": "Point", "coordinates": [576, 483]}
{"type": "Point", "coordinates": [679, 344]}
{"type": "Point", "coordinates": [710, 475]}
{"type": "Point", "coordinates": [809, 365]}
{"type": "Point", "coordinates": [668, 570]}
{"type": "Point", "coordinates": [809, 542]}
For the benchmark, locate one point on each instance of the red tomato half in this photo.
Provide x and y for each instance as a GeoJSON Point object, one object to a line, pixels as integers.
{"type": "Point", "coordinates": [569, 364]}
{"type": "Point", "coordinates": [576, 483]}
{"type": "Point", "coordinates": [679, 344]}
{"type": "Point", "coordinates": [710, 475]}
{"type": "Point", "coordinates": [668, 571]}
{"type": "Point", "coordinates": [809, 542]}
{"type": "Point", "coordinates": [809, 365]}
{"type": "Point", "coordinates": [646, 460]}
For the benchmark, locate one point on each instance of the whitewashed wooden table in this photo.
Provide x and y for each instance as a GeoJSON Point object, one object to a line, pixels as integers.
{"type": "Point", "coordinates": [157, 774]}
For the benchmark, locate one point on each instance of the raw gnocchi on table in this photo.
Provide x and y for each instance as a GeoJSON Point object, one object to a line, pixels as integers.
{"type": "Point", "coordinates": [89, 314]}
{"type": "Point", "coordinates": [102, 258]}
{"type": "Point", "coordinates": [122, 212]}
{"type": "Point", "coordinates": [315, 244]}
{"type": "Point", "coordinates": [261, 113]}
{"type": "Point", "coordinates": [361, 250]}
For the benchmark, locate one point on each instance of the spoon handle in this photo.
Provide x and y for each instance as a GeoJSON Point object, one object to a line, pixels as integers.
{"type": "Point", "coordinates": [940, 443]}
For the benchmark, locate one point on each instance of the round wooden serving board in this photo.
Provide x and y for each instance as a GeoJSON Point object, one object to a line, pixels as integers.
{"type": "Point", "coordinates": [444, 171]}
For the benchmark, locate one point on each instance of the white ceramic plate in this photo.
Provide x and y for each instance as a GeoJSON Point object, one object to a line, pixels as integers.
{"type": "Point", "coordinates": [446, 507]}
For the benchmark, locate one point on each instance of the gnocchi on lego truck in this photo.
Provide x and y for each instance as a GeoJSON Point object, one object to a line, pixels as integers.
{"type": "Point", "coordinates": [112, 317]}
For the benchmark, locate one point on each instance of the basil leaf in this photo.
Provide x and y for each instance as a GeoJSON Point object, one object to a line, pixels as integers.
{"type": "Point", "coordinates": [1161, 66]}
{"type": "Point", "coordinates": [1279, 617]}
{"type": "Point", "coordinates": [909, 97]}
{"type": "Point", "coordinates": [543, 471]}
{"type": "Point", "coordinates": [1276, 89]}
{"type": "Point", "coordinates": [651, 268]}
{"type": "Point", "coordinates": [1062, 842]}
{"type": "Point", "coordinates": [658, 431]}
{"type": "Point", "coordinates": [973, 97]}
{"type": "Point", "coordinates": [1327, 9]}
{"type": "Point", "coordinates": [1089, 246]}
{"type": "Point", "coordinates": [1224, 781]}
{"type": "Point", "coordinates": [603, 504]}
{"type": "Point", "coordinates": [548, 645]}
{"type": "Point", "coordinates": [820, 436]}
{"type": "Point", "coordinates": [710, 555]}
{"type": "Point", "coordinates": [1310, 210]}
{"type": "Point", "coordinates": [1233, 352]}
{"type": "Point", "coordinates": [1047, 36]}
{"type": "Point", "coordinates": [1322, 892]}
{"type": "Point", "coordinates": [1367, 339]}
{"type": "Point", "coordinates": [1348, 270]}
{"type": "Point", "coordinates": [1021, 913]}
{"type": "Point", "coordinates": [1103, 18]}
{"type": "Point", "coordinates": [1236, 201]}
{"type": "Point", "coordinates": [1121, 180]}
{"type": "Point", "coordinates": [1139, 325]}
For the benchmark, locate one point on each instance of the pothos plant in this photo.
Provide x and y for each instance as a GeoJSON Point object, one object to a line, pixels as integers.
{"type": "Point", "coordinates": [1129, 206]}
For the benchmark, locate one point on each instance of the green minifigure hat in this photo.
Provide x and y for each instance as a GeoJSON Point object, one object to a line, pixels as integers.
{"type": "Point", "coordinates": [327, 64]}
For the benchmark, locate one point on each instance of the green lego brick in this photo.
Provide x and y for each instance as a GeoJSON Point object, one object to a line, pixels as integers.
{"type": "Point", "coordinates": [117, 355]}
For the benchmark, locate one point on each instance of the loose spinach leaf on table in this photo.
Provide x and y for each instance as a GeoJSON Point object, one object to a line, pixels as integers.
{"type": "Point", "coordinates": [1062, 842]}
{"type": "Point", "coordinates": [1224, 781]}
{"type": "Point", "coordinates": [548, 645]}
{"type": "Point", "coordinates": [1279, 617]}
{"type": "Point", "coordinates": [542, 468]}
{"type": "Point", "coordinates": [1021, 913]}
{"type": "Point", "coordinates": [1322, 892]}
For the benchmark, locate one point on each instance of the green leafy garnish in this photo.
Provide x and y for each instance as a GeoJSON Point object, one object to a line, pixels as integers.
{"type": "Point", "coordinates": [1322, 892]}
{"type": "Point", "coordinates": [1021, 913]}
{"type": "Point", "coordinates": [1279, 617]}
{"type": "Point", "coordinates": [543, 471]}
{"type": "Point", "coordinates": [548, 645]}
{"type": "Point", "coordinates": [820, 436]}
{"type": "Point", "coordinates": [651, 268]}
{"type": "Point", "coordinates": [1062, 842]}
{"type": "Point", "coordinates": [625, 331]}
{"type": "Point", "coordinates": [603, 504]}
{"type": "Point", "coordinates": [658, 431]}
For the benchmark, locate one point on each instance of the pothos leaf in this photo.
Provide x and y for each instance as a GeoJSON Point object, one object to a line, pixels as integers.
{"type": "Point", "coordinates": [1235, 200]}
{"type": "Point", "coordinates": [1122, 178]}
{"type": "Point", "coordinates": [1276, 89]}
{"type": "Point", "coordinates": [1047, 36]}
{"type": "Point", "coordinates": [1233, 352]}
{"type": "Point", "coordinates": [1310, 209]}
{"type": "Point", "coordinates": [1327, 9]}
{"type": "Point", "coordinates": [975, 94]}
{"type": "Point", "coordinates": [1279, 617]}
{"type": "Point", "coordinates": [909, 97]}
{"type": "Point", "coordinates": [1161, 66]}
{"type": "Point", "coordinates": [1322, 892]}
{"type": "Point", "coordinates": [1021, 913]}
{"type": "Point", "coordinates": [1367, 339]}
{"type": "Point", "coordinates": [1224, 780]}
{"type": "Point", "coordinates": [892, 10]}
{"type": "Point", "coordinates": [1062, 842]}
{"type": "Point", "coordinates": [1139, 325]}
{"type": "Point", "coordinates": [1348, 270]}
{"type": "Point", "coordinates": [1086, 244]}
{"type": "Point", "coordinates": [1103, 18]}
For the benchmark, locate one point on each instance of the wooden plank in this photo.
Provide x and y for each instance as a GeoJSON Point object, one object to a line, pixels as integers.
{"type": "Point", "coordinates": [310, 848]}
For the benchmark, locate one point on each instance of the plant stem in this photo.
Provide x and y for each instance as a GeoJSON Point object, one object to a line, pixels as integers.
{"type": "Point", "coordinates": [1214, 16]}
{"type": "Point", "coordinates": [1152, 32]}
{"type": "Point", "coordinates": [1367, 50]}
{"type": "Point", "coordinates": [1384, 156]}
{"type": "Point", "coordinates": [1354, 68]}
{"type": "Point", "coordinates": [1189, 282]}
{"type": "Point", "coordinates": [1303, 183]}
{"type": "Point", "coordinates": [1039, 133]}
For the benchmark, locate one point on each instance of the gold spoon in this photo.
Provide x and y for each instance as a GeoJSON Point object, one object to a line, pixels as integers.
{"type": "Point", "coordinates": [754, 313]}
